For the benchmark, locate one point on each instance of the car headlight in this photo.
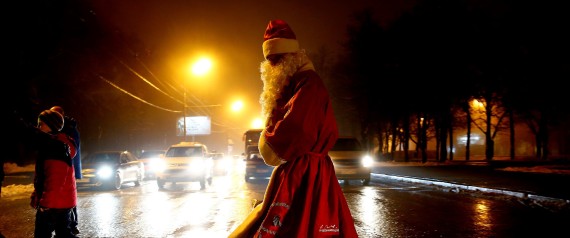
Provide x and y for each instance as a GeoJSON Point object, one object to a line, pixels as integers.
{"type": "Point", "coordinates": [367, 161]}
{"type": "Point", "coordinates": [157, 165]}
{"type": "Point", "coordinates": [226, 163]}
{"type": "Point", "coordinates": [105, 172]}
{"type": "Point", "coordinates": [197, 166]}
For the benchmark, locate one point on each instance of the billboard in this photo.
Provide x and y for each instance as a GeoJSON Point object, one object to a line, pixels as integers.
{"type": "Point", "coordinates": [197, 125]}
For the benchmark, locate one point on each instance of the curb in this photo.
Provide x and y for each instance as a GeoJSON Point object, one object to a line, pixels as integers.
{"type": "Point", "coordinates": [541, 200]}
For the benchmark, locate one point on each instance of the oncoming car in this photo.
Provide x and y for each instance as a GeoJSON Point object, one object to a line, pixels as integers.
{"type": "Point", "coordinates": [185, 162]}
{"type": "Point", "coordinates": [111, 169]}
{"type": "Point", "coordinates": [150, 158]}
{"type": "Point", "coordinates": [255, 167]}
{"type": "Point", "coordinates": [350, 161]}
{"type": "Point", "coordinates": [222, 164]}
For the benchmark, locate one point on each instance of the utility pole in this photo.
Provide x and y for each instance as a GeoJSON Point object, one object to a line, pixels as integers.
{"type": "Point", "coordinates": [184, 116]}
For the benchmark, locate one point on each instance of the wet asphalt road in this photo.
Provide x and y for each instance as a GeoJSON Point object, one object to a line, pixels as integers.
{"type": "Point", "coordinates": [385, 208]}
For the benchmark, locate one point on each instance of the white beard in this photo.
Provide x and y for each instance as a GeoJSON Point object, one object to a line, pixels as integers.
{"type": "Point", "coordinates": [275, 78]}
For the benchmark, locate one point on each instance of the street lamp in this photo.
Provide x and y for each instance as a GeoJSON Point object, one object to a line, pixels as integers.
{"type": "Point", "coordinates": [257, 123]}
{"type": "Point", "coordinates": [200, 68]}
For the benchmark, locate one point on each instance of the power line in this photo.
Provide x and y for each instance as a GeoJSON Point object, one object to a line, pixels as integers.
{"type": "Point", "coordinates": [148, 82]}
{"type": "Point", "coordinates": [135, 97]}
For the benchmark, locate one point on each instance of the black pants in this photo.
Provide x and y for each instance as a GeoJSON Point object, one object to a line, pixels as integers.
{"type": "Point", "coordinates": [74, 219]}
{"type": "Point", "coordinates": [50, 219]}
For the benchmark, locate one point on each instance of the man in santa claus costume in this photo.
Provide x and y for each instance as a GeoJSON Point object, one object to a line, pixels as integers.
{"type": "Point", "coordinates": [303, 197]}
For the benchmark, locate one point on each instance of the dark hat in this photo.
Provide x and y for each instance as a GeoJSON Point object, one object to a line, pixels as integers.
{"type": "Point", "coordinates": [279, 38]}
{"type": "Point", "coordinates": [51, 118]}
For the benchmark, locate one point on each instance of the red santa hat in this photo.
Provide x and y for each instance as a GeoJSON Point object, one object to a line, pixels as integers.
{"type": "Point", "coordinates": [279, 38]}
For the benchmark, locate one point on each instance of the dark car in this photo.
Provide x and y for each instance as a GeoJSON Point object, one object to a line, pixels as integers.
{"type": "Point", "coordinates": [151, 158]}
{"type": "Point", "coordinates": [351, 162]}
{"type": "Point", "coordinates": [111, 169]}
{"type": "Point", "coordinates": [255, 167]}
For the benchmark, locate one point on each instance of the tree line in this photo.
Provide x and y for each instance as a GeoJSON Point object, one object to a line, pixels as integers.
{"type": "Point", "coordinates": [449, 65]}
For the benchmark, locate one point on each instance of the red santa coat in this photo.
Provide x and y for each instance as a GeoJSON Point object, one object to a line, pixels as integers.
{"type": "Point", "coordinates": [303, 197]}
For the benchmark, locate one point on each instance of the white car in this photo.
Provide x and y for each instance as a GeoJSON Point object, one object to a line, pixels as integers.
{"type": "Point", "coordinates": [222, 164]}
{"type": "Point", "coordinates": [350, 161]}
{"type": "Point", "coordinates": [111, 169]}
{"type": "Point", "coordinates": [185, 162]}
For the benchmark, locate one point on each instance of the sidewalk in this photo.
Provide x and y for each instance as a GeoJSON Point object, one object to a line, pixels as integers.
{"type": "Point", "coordinates": [540, 182]}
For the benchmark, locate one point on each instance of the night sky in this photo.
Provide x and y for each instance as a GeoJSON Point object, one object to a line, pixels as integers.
{"type": "Point", "coordinates": [50, 44]}
{"type": "Point", "coordinates": [232, 32]}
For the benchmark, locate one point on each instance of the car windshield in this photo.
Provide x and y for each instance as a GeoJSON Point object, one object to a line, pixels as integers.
{"type": "Point", "coordinates": [102, 158]}
{"type": "Point", "coordinates": [150, 154]}
{"type": "Point", "coordinates": [344, 144]}
{"type": "Point", "coordinates": [184, 152]}
{"type": "Point", "coordinates": [217, 156]}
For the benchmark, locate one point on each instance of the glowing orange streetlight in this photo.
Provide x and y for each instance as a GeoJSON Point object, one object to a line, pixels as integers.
{"type": "Point", "coordinates": [257, 123]}
{"type": "Point", "coordinates": [201, 67]}
{"type": "Point", "coordinates": [237, 106]}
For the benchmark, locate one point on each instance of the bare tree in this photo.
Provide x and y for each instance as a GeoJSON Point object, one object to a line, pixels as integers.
{"type": "Point", "coordinates": [489, 112]}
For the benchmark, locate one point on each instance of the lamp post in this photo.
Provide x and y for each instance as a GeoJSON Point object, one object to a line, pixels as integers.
{"type": "Point", "coordinates": [184, 114]}
{"type": "Point", "coordinates": [199, 68]}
